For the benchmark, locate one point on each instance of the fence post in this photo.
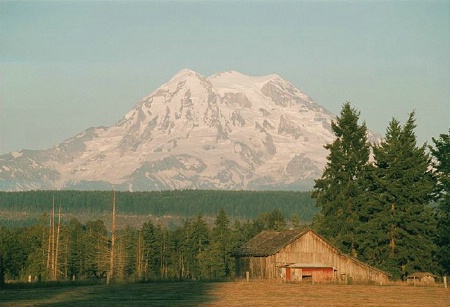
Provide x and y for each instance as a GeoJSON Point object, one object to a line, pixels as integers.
{"type": "Point", "coordinates": [247, 276]}
{"type": "Point", "coordinates": [445, 282]}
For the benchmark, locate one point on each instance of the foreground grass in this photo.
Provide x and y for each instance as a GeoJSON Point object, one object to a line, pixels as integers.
{"type": "Point", "coordinates": [255, 293]}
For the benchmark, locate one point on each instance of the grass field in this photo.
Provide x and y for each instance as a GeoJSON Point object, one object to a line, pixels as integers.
{"type": "Point", "coordinates": [254, 293]}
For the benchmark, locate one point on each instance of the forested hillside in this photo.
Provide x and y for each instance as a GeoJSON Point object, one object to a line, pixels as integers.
{"type": "Point", "coordinates": [183, 204]}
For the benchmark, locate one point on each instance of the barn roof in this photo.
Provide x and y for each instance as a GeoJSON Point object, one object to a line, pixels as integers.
{"type": "Point", "coordinates": [267, 242]}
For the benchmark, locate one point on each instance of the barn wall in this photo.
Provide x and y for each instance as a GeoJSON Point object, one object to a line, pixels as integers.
{"type": "Point", "coordinates": [258, 267]}
{"type": "Point", "coordinates": [242, 266]}
{"type": "Point", "coordinates": [426, 280]}
{"type": "Point", "coordinates": [358, 271]}
{"type": "Point", "coordinates": [263, 267]}
{"type": "Point", "coordinates": [309, 249]}
{"type": "Point", "coordinates": [312, 249]}
{"type": "Point", "coordinates": [319, 274]}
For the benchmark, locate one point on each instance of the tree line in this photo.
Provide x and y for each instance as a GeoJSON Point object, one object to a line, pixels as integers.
{"type": "Point", "coordinates": [182, 203]}
{"type": "Point", "coordinates": [387, 204]}
{"type": "Point", "coordinates": [54, 250]}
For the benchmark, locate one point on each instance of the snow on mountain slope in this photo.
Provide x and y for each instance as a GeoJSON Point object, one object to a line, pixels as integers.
{"type": "Point", "coordinates": [227, 131]}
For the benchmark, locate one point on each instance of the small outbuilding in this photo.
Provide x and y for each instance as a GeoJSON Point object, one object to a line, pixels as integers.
{"type": "Point", "coordinates": [421, 278]}
{"type": "Point", "coordinates": [299, 255]}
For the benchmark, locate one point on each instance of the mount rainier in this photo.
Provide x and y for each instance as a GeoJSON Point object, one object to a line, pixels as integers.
{"type": "Point", "coordinates": [228, 131]}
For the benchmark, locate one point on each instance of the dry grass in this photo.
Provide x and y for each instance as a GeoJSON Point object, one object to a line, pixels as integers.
{"type": "Point", "coordinates": [255, 293]}
{"type": "Point", "coordinates": [288, 294]}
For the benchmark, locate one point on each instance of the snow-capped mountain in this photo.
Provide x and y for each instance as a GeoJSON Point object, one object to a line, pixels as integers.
{"type": "Point", "coordinates": [227, 131]}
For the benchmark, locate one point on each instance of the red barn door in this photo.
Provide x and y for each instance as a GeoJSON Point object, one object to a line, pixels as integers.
{"type": "Point", "coordinates": [288, 274]}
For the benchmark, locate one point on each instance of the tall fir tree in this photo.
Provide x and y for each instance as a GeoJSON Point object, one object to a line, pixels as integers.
{"type": "Point", "coordinates": [222, 236]}
{"type": "Point", "coordinates": [441, 164]}
{"type": "Point", "coordinates": [150, 251]}
{"type": "Point", "coordinates": [196, 244]}
{"type": "Point", "coordinates": [97, 250]}
{"type": "Point", "coordinates": [397, 233]}
{"type": "Point", "coordinates": [338, 190]}
{"type": "Point", "coordinates": [273, 220]}
{"type": "Point", "coordinates": [77, 254]}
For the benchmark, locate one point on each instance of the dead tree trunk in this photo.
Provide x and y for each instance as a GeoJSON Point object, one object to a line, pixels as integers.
{"type": "Point", "coordinates": [51, 244]}
{"type": "Point", "coordinates": [55, 266]}
{"type": "Point", "coordinates": [111, 276]}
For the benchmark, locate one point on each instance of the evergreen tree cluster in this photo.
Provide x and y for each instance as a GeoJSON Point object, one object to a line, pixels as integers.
{"type": "Point", "coordinates": [441, 164]}
{"type": "Point", "coordinates": [376, 199]}
{"type": "Point", "coordinates": [181, 203]}
{"type": "Point", "coordinates": [196, 250]}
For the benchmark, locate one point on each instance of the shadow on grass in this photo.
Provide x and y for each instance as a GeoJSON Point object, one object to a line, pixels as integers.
{"type": "Point", "coordinates": [138, 294]}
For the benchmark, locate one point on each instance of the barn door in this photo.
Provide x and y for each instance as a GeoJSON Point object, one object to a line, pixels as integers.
{"type": "Point", "coordinates": [288, 274]}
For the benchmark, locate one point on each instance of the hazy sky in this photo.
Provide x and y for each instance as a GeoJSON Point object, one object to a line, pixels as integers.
{"type": "Point", "coordinates": [69, 65]}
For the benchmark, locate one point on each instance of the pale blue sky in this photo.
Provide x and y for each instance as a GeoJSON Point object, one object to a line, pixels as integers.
{"type": "Point", "coordinates": [69, 65]}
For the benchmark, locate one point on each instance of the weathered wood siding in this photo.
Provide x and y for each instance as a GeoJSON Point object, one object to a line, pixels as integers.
{"type": "Point", "coordinates": [310, 249]}
{"type": "Point", "coordinates": [259, 267]}
{"type": "Point", "coordinates": [319, 274]}
{"type": "Point", "coordinates": [358, 271]}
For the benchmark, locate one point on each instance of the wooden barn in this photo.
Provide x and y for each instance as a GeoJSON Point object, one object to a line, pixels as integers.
{"type": "Point", "coordinates": [297, 255]}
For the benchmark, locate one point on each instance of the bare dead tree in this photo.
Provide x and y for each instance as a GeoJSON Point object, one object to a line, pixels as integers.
{"type": "Point", "coordinates": [113, 239]}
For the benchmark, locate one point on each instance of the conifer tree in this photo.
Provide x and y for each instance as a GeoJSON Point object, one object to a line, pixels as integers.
{"type": "Point", "coordinates": [195, 243]}
{"type": "Point", "coordinates": [127, 252]}
{"type": "Point", "coordinates": [77, 254]}
{"type": "Point", "coordinates": [338, 190]}
{"type": "Point", "coordinates": [399, 228]}
{"type": "Point", "coordinates": [150, 251]}
{"type": "Point", "coordinates": [221, 237]}
{"type": "Point", "coordinates": [295, 220]}
{"type": "Point", "coordinates": [273, 220]}
{"type": "Point", "coordinates": [96, 247]}
{"type": "Point", "coordinates": [441, 153]}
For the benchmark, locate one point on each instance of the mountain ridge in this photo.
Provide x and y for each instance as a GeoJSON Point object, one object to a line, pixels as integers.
{"type": "Point", "coordinates": [227, 131]}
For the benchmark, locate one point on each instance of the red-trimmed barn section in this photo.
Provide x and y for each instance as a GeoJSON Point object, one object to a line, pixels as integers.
{"type": "Point", "coordinates": [299, 255]}
{"type": "Point", "coordinates": [305, 271]}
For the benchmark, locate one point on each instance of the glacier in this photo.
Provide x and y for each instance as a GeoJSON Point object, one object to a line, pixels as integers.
{"type": "Point", "coordinates": [227, 131]}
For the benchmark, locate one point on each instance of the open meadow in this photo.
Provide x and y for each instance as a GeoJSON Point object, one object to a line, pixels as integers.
{"type": "Point", "coordinates": [239, 293]}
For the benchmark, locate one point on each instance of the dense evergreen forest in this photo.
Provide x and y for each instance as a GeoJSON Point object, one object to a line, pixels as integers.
{"type": "Point", "coordinates": [55, 248]}
{"type": "Point", "coordinates": [52, 250]}
{"type": "Point", "coordinates": [182, 203]}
